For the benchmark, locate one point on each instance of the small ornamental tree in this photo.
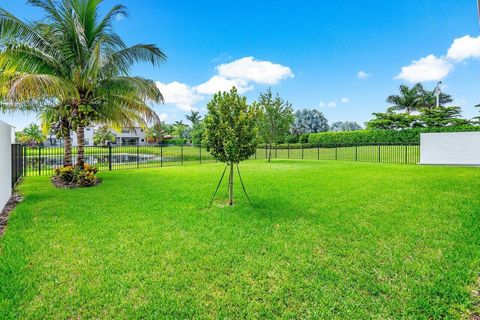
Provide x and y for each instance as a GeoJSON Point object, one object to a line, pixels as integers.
{"type": "Point", "coordinates": [230, 132]}
{"type": "Point", "coordinates": [275, 119]}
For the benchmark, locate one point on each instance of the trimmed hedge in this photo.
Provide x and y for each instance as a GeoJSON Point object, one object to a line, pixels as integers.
{"type": "Point", "coordinates": [383, 137]}
{"type": "Point", "coordinates": [287, 146]}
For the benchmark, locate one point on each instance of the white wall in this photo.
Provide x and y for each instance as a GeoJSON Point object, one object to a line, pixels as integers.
{"type": "Point", "coordinates": [5, 163]}
{"type": "Point", "coordinates": [453, 148]}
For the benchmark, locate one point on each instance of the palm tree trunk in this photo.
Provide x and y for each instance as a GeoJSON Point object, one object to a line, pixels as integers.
{"type": "Point", "coordinates": [67, 150]}
{"type": "Point", "coordinates": [230, 186]}
{"type": "Point", "coordinates": [81, 146]}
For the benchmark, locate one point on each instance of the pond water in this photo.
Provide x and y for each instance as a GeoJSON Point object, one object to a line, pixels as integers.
{"type": "Point", "coordinates": [95, 159]}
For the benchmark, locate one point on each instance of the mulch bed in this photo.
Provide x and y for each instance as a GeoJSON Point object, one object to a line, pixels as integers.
{"type": "Point", "coordinates": [59, 183]}
{"type": "Point", "coordinates": [11, 204]}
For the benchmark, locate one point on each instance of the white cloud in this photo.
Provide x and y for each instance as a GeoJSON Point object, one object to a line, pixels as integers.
{"type": "Point", "coordinates": [464, 48]}
{"type": "Point", "coordinates": [363, 75]}
{"type": "Point", "coordinates": [322, 104]}
{"type": "Point", "coordinates": [243, 74]}
{"type": "Point", "coordinates": [332, 104]}
{"type": "Point", "coordinates": [249, 69]}
{"type": "Point", "coordinates": [344, 100]}
{"type": "Point", "coordinates": [179, 94]}
{"type": "Point", "coordinates": [429, 68]}
{"type": "Point", "coordinates": [219, 83]}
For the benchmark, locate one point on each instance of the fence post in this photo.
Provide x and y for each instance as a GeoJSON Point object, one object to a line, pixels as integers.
{"type": "Point", "coordinates": [318, 152]}
{"type": "Point", "coordinates": [336, 153]}
{"type": "Point", "coordinates": [138, 158]}
{"type": "Point", "coordinates": [200, 152]}
{"type": "Point", "coordinates": [356, 153]}
{"type": "Point", "coordinates": [288, 151]}
{"type": "Point", "coordinates": [110, 157]}
{"type": "Point", "coordinates": [379, 153]}
{"type": "Point", "coordinates": [161, 155]}
{"type": "Point", "coordinates": [406, 154]}
{"type": "Point", "coordinates": [24, 160]}
{"type": "Point", "coordinates": [181, 154]}
{"type": "Point", "coordinates": [276, 154]}
{"type": "Point", "coordinates": [301, 147]}
{"type": "Point", "coordinates": [266, 152]}
{"type": "Point", "coordinates": [39, 161]}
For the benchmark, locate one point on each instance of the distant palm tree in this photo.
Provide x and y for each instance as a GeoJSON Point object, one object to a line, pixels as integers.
{"type": "Point", "coordinates": [194, 117]}
{"type": "Point", "coordinates": [409, 99]}
{"type": "Point", "coordinates": [75, 69]}
{"type": "Point", "coordinates": [103, 136]}
{"type": "Point", "coordinates": [32, 135]}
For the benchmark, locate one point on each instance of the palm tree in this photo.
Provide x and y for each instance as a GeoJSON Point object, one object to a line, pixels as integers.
{"type": "Point", "coordinates": [32, 135]}
{"type": "Point", "coordinates": [76, 68]}
{"type": "Point", "coordinates": [409, 99]}
{"type": "Point", "coordinates": [103, 135]}
{"type": "Point", "coordinates": [194, 117]}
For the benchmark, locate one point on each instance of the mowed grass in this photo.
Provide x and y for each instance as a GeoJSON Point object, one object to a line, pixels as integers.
{"type": "Point", "coordinates": [325, 240]}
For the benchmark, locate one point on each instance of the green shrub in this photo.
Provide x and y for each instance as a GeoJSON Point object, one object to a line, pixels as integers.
{"type": "Point", "coordinates": [292, 138]}
{"type": "Point", "coordinates": [304, 138]}
{"type": "Point", "coordinates": [374, 137]}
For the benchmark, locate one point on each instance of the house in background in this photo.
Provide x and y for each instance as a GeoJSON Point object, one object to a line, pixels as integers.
{"type": "Point", "coordinates": [126, 137]}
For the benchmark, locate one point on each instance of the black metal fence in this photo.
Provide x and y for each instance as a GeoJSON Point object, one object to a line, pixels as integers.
{"type": "Point", "coordinates": [17, 163]}
{"type": "Point", "coordinates": [44, 160]}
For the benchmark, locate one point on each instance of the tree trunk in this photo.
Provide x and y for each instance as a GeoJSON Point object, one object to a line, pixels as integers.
{"type": "Point", "coordinates": [67, 150]}
{"type": "Point", "coordinates": [269, 153]}
{"type": "Point", "coordinates": [81, 146]}
{"type": "Point", "coordinates": [230, 186]}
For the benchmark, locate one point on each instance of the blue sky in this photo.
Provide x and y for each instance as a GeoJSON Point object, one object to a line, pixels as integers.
{"type": "Point", "coordinates": [310, 52]}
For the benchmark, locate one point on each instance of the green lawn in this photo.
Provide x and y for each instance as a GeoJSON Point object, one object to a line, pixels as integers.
{"type": "Point", "coordinates": [326, 240]}
{"type": "Point", "coordinates": [131, 157]}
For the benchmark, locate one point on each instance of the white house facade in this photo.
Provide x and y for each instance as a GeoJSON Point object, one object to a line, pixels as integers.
{"type": "Point", "coordinates": [127, 136]}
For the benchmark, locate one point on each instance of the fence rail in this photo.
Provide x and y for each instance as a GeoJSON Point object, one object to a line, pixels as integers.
{"type": "Point", "coordinates": [44, 160]}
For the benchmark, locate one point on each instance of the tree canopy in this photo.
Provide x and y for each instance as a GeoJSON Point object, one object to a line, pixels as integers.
{"type": "Point", "coordinates": [309, 121]}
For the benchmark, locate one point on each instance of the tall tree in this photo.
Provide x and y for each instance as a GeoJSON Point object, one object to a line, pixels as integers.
{"type": "Point", "coordinates": [275, 119]}
{"type": "Point", "coordinates": [442, 117]}
{"type": "Point", "coordinates": [309, 121]}
{"type": "Point", "coordinates": [409, 99]}
{"type": "Point", "coordinates": [345, 126]}
{"type": "Point", "coordinates": [392, 121]}
{"type": "Point", "coordinates": [429, 99]}
{"type": "Point", "coordinates": [75, 66]}
{"type": "Point", "coordinates": [231, 131]}
{"type": "Point", "coordinates": [194, 117]}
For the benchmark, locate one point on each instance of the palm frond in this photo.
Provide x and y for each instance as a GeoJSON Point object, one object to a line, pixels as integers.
{"type": "Point", "coordinates": [39, 87]}
{"type": "Point", "coordinates": [123, 60]}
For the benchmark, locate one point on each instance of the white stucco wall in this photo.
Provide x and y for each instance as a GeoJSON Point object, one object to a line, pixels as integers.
{"type": "Point", "coordinates": [5, 163]}
{"type": "Point", "coordinates": [453, 148]}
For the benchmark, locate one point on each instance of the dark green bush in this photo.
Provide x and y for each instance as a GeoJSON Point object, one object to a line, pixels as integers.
{"type": "Point", "coordinates": [292, 138]}
{"type": "Point", "coordinates": [374, 137]}
{"type": "Point", "coordinates": [304, 138]}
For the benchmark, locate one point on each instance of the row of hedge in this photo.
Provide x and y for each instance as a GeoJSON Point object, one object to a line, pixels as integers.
{"type": "Point", "coordinates": [383, 137]}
